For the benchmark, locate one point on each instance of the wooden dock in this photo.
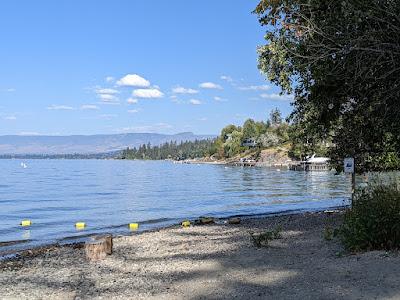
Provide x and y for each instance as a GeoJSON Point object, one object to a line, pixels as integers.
{"type": "Point", "coordinates": [244, 163]}
{"type": "Point", "coordinates": [309, 167]}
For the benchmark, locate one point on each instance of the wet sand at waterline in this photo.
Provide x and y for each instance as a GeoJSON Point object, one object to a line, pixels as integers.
{"type": "Point", "coordinates": [210, 262]}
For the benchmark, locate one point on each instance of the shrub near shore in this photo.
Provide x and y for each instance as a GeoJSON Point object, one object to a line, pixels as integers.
{"type": "Point", "coordinates": [373, 222]}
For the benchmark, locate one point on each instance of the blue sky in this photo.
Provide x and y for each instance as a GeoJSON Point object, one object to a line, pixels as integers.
{"type": "Point", "coordinates": [97, 66]}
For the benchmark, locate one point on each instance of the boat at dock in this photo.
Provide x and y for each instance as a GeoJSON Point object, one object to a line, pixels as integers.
{"type": "Point", "coordinates": [312, 163]}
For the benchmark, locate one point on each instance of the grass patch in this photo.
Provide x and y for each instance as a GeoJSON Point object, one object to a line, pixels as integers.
{"type": "Point", "coordinates": [263, 239]}
{"type": "Point", "coordinates": [328, 233]}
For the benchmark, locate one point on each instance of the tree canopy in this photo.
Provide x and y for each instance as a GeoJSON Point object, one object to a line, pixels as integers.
{"type": "Point", "coordinates": [171, 150]}
{"type": "Point", "coordinates": [341, 60]}
{"type": "Point", "coordinates": [229, 144]}
{"type": "Point", "coordinates": [267, 134]}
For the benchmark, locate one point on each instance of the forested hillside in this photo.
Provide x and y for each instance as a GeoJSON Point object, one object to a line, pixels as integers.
{"type": "Point", "coordinates": [249, 139]}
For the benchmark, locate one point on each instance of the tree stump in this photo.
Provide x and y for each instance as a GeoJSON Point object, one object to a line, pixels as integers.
{"type": "Point", "coordinates": [108, 240]}
{"type": "Point", "coordinates": [99, 247]}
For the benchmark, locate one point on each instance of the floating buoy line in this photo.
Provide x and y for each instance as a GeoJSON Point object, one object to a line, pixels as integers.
{"type": "Point", "coordinates": [135, 226]}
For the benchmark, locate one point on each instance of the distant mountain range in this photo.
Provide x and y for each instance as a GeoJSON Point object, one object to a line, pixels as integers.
{"type": "Point", "coordinates": [86, 144]}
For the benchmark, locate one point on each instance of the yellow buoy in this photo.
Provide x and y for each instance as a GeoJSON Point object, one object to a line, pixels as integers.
{"type": "Point", "coordinates": [80, 225]}
{"type": "Point", "coordinates": [26, 223]}
{"type": "Point", "coordinates": [133, 226]}
{"type": "Point", "coordinates": [186, 223]}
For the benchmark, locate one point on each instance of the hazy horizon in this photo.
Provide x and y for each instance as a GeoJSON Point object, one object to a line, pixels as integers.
{"type": "Point", "coordinates": [101, 134]}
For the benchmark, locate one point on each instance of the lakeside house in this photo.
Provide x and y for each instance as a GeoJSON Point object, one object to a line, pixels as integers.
{"type": "Point", "coordinates": [249, 143]}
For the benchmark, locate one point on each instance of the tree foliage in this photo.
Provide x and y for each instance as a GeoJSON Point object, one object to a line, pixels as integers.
{"type": "Point", "coordinates": [275, 117]}
{"type": "Point", "coordinates": [341, 60]}
{"type": "Point", "coordinates": [271, 133]}
{"type": "Point", "coordinates": [229, 144]}
{"type": "Point", "coordinates": [172, 150]}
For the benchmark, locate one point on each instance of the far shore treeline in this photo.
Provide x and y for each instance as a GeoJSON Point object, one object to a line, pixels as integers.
{"type": "Point", "coordinates": [171, 150]}
{"type": "Point", "coordinates": [248, 139]}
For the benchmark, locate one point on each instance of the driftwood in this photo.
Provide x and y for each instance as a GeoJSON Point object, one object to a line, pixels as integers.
{"type": "Point", "coordinates": [99, 247]}
{"type": "Point", "coordinates": [205, 221]}
{"type": "Point", "coordinates": [234, 220]}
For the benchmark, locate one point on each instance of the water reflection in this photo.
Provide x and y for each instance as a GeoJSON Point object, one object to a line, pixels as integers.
{"type": "Point", "coordinates": [26, 234]}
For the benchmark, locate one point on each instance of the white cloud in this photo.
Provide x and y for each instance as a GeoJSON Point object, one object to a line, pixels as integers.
{"type": "Point", "coordinates": [133, 111]}
{"type": "Point", "coordinates": [132, 101]}
{"type": "Point", "coordinates": [10, 118]}
{"type": "Point", "coordinates": [107, 91]}
{"type": "Point", "coordinates": [107, 95]}
{"type": "Point", "coordinates": [203, 119]}
{"type": "Point", "coordinates": [10, 90]}
{"type": "Point", "coordinates": [210, 85]}
{"type": "Point", "coordinates": [108, 116]}
{"type": "Point", "coordinates": [277, 97]}
{"type": "Point", "coordinates": [109, 102]}
{"type": "Point", "coordinates": [147, 93]}
{"type": "Point", "coordinates": [227, 78]}
{"type": "Point", "coordinates": [182, 90]}
{"type": "Point", "coordinates": [195, 102]}
{"type": "Point", "coordinates": [89, 107]}
{"type": "Point", "coordinates": [254, 88]}
{"type": "Point", "coordinates": [219, 99]}
{"type": "Point", "coordinates": [110, 79]}
{"type": "Point", "coordinates": [59, 107]}
{"type": "Point", "coordinates": [133, 80]}
{"type": "Point", "coordinates": [147, 128]}
{"type": "Point", "coordinates": [108, 98]}
{"type": "Point", "coordinates": [28, 133]}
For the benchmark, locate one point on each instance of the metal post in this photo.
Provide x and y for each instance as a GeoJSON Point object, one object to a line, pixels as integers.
{"type": "Point", "coordinates": [353, 187]}
{"type": "Point", "coordinates": [349, 167]}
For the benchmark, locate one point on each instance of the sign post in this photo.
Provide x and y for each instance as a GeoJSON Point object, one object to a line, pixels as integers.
{"type": "Point", "coordinates": [349, 167]}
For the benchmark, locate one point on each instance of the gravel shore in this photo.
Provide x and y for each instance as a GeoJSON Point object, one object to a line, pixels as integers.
{"type": "Point", "coordinates": [210, 262]}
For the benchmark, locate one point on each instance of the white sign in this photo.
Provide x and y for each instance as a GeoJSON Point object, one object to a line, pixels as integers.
{"type": "Point", "coordinates": [349, 165]}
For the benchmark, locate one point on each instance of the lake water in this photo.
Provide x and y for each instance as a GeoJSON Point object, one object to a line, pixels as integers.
{"type": "Point", "coordinates": [107, 195]}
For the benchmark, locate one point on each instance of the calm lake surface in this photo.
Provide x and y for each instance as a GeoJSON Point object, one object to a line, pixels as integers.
{"type": "Point", "coordinates": [107, 195]}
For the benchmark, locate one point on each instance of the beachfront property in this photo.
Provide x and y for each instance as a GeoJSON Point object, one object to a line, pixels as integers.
{"type": "Point", "coordinates": [249, 143]}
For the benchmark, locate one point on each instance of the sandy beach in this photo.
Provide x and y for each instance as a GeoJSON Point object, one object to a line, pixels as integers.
{"type": "Point", "coordinates": [210, 262]}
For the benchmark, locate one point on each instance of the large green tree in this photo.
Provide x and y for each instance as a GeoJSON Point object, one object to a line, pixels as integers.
{"type": "Point", "coordinates": [341, 60]}
{"type": "Point", "coordinates": [250, 129]}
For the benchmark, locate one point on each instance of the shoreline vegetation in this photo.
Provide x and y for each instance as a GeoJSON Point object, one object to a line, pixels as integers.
{"type": "Point", "coordinates": [210, 261]}
{"type": "Point", "coordinates": [255, 143]}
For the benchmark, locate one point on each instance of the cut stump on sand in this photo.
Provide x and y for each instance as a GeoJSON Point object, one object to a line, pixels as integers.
{"type": "Point", "coordinates": [99, 247]}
